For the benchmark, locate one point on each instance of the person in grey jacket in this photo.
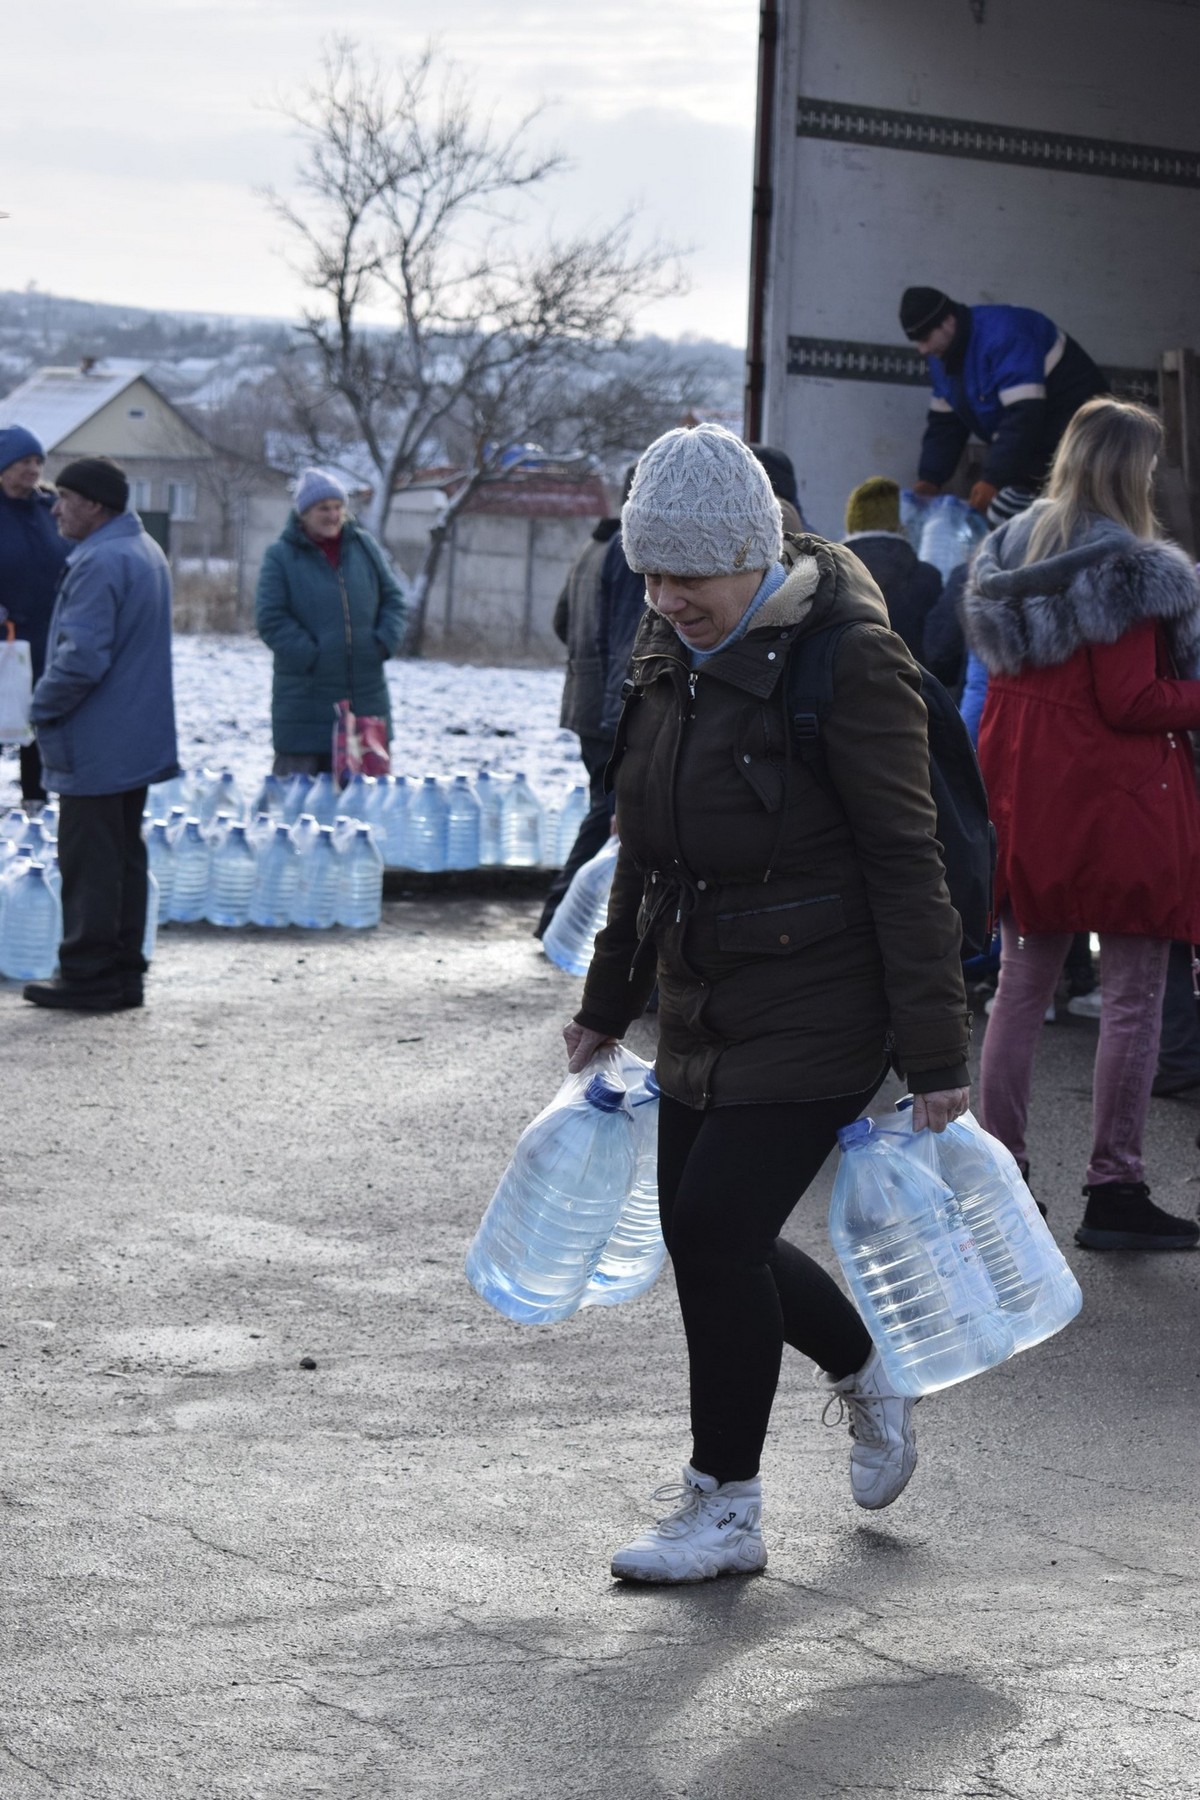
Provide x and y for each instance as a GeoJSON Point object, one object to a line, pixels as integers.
{"type": "Point", "coordinates": [104, 713]}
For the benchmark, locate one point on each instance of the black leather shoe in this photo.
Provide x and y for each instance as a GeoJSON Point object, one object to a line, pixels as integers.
{"type": "Point", "coordinates": [1166, 1087]}
{"type": "Point", "coordinates": [1120, 1215]}
{"type": "Point", "coordinates": [78, 996]}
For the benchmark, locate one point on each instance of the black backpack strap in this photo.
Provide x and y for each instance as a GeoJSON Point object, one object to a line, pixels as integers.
{"type": "Point", "coordinates": [810, 691]}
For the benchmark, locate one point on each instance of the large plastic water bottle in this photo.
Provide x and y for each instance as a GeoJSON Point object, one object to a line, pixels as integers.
{"type": "Point", "coordinates": [631, 1259]}
{"type": "Point", "coordinates": [14, 824]}
{"type": "Point", "coordinates": [521, 826]}
{"type": "Point", "coordinates": [354, 801]}
{"type": "Point", "coordinates": [272, 796]}
{"type": "Point", "coordinates": [189, 890]}
{"type": "Point", "coordinates": [231, 876]}
{"type": "Point", "coordinates": [360, 886]}
{"type": "Point", "coordinates": [571, 814]}
{"type": "Point", "coordinates": [295, 790]}
{"type": "Point", "coordinates": [276, 879]}
{"type": "Point", "coordinates": [37, 840]}
{"type": "Point", "coordinates": [425, 827]}
{"type": "Point", "coordinates": [321, 799]}
{"type": "Point", "coordinates": [32, 925]}
{"type": "Point", "coordinates": [177, 818]}
{"type": "Point", "coordinates": [912, 1266]}
{"type": "Point", "coordinates": [949, 533]}
{"type": "Point", "coordinates": [557, 1203]}
{"type": "Point", "coordinates": [1028, 1271]}
{"type": "Point", "coordinates": [463, 818]}
{"type": "Point", "coordinates": [315, 906]}
{"type": "Point", "coordinates": [570, 937]}
{"type": "Point", "coordinates": [222, 796]}
{"type": "Point", "coordinates": [395, 821]}
{"type": "Point", "coordinates": [166, 794]}
{"type": "Point", "coordinates": [160, 856]}
{"type": "Point", "coordinates": [153, 910]}
{"type": "Point", "coordinates": [490, 789]}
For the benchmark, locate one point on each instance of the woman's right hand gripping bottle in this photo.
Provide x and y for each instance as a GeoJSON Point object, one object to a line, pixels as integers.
{"type": "Point", "coordinates": [912, 1266]}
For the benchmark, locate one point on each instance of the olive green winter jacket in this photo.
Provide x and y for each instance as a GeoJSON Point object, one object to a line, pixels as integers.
{"type": "Point", "coordinates": [799, 928]}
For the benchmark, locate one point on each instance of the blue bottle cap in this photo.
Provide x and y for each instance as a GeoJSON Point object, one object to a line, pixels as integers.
{"type": "Point", "coordinates": [605, 1093]}
{"type": "Point", "coordinates": [857, 1133]}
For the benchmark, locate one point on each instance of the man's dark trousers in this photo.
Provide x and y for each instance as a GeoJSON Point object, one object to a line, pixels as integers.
{"type": "Point", "coordinates": [102, 860]}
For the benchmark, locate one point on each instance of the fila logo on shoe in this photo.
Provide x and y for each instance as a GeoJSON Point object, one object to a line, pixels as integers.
{"type": "Point", "coordinates": [727, 1520]}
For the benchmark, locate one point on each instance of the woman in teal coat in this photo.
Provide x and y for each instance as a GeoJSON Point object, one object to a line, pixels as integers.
{"type": "Point", "coordinates": [331, 610]}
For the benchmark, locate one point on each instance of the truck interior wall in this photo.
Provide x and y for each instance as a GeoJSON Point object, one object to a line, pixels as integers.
{"type": "Point", "coordinates": [1115, 261]}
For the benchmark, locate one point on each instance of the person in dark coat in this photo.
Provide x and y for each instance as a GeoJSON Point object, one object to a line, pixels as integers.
{"type": "Point", "coordinates": [330, 608]}
{"type": "Point", "coordinates": [1089, 627]}
{"type": "Point", "coordinates": [910, 587]}
{"type": "Point", "coordinates": [800, 930]}
{"type": "Point", "coordinates": [32, 554]}
{"type": "Point", "coordinates": [781, 473]}
{"type": "Point", "coordinates": [1005, 374]}
{"type": "Point", "coordinates": [104, 713]}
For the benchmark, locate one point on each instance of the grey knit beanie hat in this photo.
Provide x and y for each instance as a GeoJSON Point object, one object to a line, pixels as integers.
{"type": "Point", "coordinates": [701, 504]}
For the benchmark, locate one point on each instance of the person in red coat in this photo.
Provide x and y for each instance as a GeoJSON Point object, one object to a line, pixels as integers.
{"type": "Point", "coordinates": [1089, 625]}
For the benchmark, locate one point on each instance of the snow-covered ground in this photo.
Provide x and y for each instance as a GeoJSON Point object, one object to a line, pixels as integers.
{"type": "Point", "coordinates": [446, 717]}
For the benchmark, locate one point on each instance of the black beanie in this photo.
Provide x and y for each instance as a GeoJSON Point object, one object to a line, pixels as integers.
{"type": "Point", "coordinates": [96, 478]}
{"type": "Point", "coordinates": [921, 309]}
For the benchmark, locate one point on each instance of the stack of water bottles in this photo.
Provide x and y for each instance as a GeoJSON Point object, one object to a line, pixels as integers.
{"type": "Point", "coordinates": [574, 1221]}
{"type": "Point", "coordinates": [298, 856]}
{"type": "Point", "coordinates": [944, 1251]}
{"type": "Point", "coordinates": [30, 895]}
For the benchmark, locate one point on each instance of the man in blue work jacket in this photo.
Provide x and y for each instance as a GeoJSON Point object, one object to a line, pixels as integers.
{"type": "Point", "coordinates": [1005, 374]}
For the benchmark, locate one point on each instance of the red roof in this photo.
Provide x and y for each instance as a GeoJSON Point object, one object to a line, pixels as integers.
{"type": "Point", "coordinates": [525, 494]}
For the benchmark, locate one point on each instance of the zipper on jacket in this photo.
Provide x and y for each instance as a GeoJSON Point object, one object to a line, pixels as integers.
{"type": "Point", "coordinates": [349, 634]}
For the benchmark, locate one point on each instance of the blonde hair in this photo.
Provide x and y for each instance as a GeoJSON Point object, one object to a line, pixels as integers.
{"type": "Point", "coordinates": [1102, 469]}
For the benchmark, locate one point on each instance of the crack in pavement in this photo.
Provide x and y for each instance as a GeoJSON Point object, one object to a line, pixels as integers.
{"type": "Point", "coordinates": [348, 1712]}
{"type": "Point", "coordinates": [258, 1562]}
{"type": "Point", "coordinates": [33, 1768]}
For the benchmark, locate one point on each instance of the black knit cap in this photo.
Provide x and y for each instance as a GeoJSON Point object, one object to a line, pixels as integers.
{"type": "Point", "coordinates": [96, 478]}
{"type": "Point", "coordinates": [923, 308]}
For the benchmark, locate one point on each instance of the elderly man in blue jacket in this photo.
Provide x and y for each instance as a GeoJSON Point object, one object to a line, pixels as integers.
{"type": "Point", "coordinates": [1005, 374]}
{"type": "Point", "coordinates": [104, 713]}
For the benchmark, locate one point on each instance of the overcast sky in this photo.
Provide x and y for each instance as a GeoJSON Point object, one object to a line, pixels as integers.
{"type": "Point", "coordinates": [133, 135]}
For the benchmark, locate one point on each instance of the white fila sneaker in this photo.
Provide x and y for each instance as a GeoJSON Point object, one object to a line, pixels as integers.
{"type": "Point", "coordinates": [884, 1453]}
{"type": "Point", "coordinates": [715, 1531]}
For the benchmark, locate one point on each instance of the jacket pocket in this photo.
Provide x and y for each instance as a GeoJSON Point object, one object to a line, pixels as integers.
{"type": "Point", "coordinates": [780, 930]}
{"type": "Point", "coordinates": [54, 745]}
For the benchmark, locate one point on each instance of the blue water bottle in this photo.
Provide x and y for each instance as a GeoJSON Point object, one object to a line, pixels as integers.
{"type": "Point", "coordinates": [911, 1264]}
{"type": "Point", "coordinates": [557, 1203]}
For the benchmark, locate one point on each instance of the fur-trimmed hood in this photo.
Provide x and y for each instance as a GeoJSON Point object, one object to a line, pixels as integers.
{"type": "Point", "coordinates": [1020, 615]}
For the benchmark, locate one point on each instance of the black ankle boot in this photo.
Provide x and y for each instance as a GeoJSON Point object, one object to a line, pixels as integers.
{"type": "Point", "coordinates": [1120, 1215]}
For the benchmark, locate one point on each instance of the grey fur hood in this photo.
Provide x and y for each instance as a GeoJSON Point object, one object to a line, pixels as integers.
{"type": "Point", "coordinates": [1035, 615]}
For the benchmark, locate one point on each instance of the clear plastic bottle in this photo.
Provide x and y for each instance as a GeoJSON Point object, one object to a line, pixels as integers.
{"type": "Point", "coordinates": [463, 817]}
{"type": "Point", "coordinates": [570, 937]}
{"type": "Point", "coordinates": [490, 790]}
{"type": "Point", "coordinates": [271, 796]}
{"type": "Point", "coordinates": [166, 794]}
{"type": "Point", "coordinates": [32, 925]}
{"type": "Point", "coordinates": [912, 1266]}
{"type": "Point", "coordinates": [360, 888]}
{"type": "Point", "coordinates": [177, 818]}
{"type": "Point", "coordinates": [153, 912]}
{"type": "Point", "coordinates": [222, 795]}
{"type": "Point", "coordinates": [950, 532]}
{"type": "Point", "coordinates": [425, 827]}
{"type": "Point", "coordinates": [321, 799]}
{"type": "Point", "coordinates": [521, 826]}
{"type": "Point", "coordinates": [160, 856]}
{"type": "Point", "coordinates": [1032, 1280]}
{"type": "Point", "coordinates": [571, 814]}
{"type": "Point", "coordinates": [295, 790]}
{"type": "Point", "coordinates": [395, 822]}
{"type": "Point", "coordinates": [379, 806]}
{"type": "Point", "coordinates": [316, 900]}
{"type": "Point", "coordinates": [557, 1203]}
{"type": "Point", "coordinates": [14, 824]}
{"type": "Point", "coordinates": [354, 801]}
{"type": "Point", "coordinates": [275, 879]}
{"type": "Point", "coordinates": [37, 840]}
{"type": "Point", "coordinates": [189, 890]}
{"type": "Point", "coordinates": [631, 1259]}
{"type": "Point", "coordinates": [231, 873]}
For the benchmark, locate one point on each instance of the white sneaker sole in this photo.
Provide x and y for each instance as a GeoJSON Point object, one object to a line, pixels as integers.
{"type": "Point", "coordinates": [657, 1574]}
{"type": "Point", "coordinates": [907, 1470]}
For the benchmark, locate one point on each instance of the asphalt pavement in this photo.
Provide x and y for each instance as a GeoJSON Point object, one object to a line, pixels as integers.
{"type": "Point", "coordinates": [287, 1511]}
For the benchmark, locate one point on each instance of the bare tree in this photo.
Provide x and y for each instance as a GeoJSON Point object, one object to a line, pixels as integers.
{"type": "Point", "coordinates": [409, 213]}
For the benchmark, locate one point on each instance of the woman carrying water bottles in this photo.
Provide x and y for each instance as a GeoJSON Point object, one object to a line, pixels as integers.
{"type": "Point", "coordinates": [331, 610]}
{"type": "Point", "coordinates": [1089, 627]}
{"type": "Point", "coordinates": [801, 934]}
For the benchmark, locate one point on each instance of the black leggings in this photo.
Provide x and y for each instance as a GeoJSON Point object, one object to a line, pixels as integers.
{"type": "Point", "coordinates": [727, 1180]}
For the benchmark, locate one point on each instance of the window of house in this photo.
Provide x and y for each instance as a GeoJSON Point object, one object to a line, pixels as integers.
{"type": "Point", "coordinates": [137, 412]}
{"type": "Point", "coordinates": [141, 493]}
{"type": "Point", "coordinates": [181, 499]}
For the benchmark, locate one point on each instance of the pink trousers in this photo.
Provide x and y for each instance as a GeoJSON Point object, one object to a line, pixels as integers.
{"type": "Point", "coordinates": [1132, 974]}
